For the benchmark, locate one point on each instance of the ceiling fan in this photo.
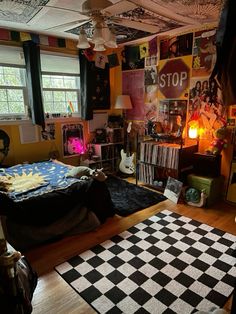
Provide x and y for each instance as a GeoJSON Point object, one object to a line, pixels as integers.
{"type": "Point", "coordinates": [105, 13]}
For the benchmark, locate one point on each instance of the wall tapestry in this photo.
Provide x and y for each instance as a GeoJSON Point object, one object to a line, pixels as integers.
{"type": "Point", "coordinates": [73, 139]}
{"type": "Point", "coordinates": [133, 85]}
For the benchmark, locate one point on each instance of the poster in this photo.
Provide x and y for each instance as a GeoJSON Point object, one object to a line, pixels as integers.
{"type": "Point", "coordinates": [150, 75]}
{"type": "Point", "coordinates": [176, 46]}
{"type": "Point", "coordinates": [172, 116]}
{"type": "Point", "coordinates": [133, 85]}
{"type": "Point", "coordinates": [73, 140]}
{"type": "Point", "coordinates": [49, 132]}
{"type": "Point", "coordinates": [205, 106]}
{"type": "Point", "coordinates": [204, 53]}
{"type": "Point", "coordinates": [150, 103]}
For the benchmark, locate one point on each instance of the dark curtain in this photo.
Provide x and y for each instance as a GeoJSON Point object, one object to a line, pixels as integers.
{"type": "Point", "coordinates": [94, 87]}
{"type": "Point", "coordinates": [86, 110]}
{"type": "Point", "coordinates": [34, 80]}
{"type": "Point", "coordinates": [225, 67]}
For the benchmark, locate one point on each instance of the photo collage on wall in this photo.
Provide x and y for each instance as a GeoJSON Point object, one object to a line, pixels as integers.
{"type": "Point", "coordinates": [171, 111]}
{"type": "Point", "coordinates": [183, 68]}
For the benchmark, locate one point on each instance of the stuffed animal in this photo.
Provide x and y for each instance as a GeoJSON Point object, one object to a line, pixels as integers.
{"type": "Point", "coordinates": [219, 142]}
{"type": "Point", "coordinates": [99, 175]}
{"type": "Point", "coordinates": [84, 173]}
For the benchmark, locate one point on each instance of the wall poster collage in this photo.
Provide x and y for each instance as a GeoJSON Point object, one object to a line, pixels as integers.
{"type": "Point", "coordinates": [199, 99]}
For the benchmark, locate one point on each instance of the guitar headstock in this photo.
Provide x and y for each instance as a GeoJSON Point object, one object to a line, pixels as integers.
{"type": "Point", "coordinates": [129, 127]}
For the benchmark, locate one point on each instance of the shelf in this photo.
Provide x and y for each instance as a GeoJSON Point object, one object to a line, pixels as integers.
{"type": "Point", "coordinates": [162, 160]}
{"type": "Point", "coordinates": [109, 154]}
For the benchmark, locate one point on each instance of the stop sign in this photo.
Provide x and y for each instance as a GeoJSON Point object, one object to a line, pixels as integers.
{"type": "Point", "coordinates": [174, 78]}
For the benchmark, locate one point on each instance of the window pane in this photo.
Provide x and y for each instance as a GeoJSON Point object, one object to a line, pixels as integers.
{"type": "Point", "coordinates": [16, 107]}
{"type": "Point", "coordinates": [12, 76]}
{"type": "Point", "coordinates": [64, 82]}
{"type": "Point", "coordinates": [46, 81]}
{"type": "Point", "coordinates": [48, 107]}
{"type": "Point", "coordinates": [56, 101]}
{"type": "Point", "coordinates": [12, 85]}
{"type": "Point", "coordinates": [3, 95]}
{"type": "Point", "coordinates": [3, 107]}
{"type": "Point", "coordinates": [48, 96]}
{"type": "Point", "coordinates": [70, 82]}
{"type": "Point", "coordinates": [59, 106]}
{"type": "Point", "coordinates": [15, 95]}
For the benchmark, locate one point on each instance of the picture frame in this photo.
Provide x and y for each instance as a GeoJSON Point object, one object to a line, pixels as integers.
{"type": "Point", "coordinates": [173, 189]}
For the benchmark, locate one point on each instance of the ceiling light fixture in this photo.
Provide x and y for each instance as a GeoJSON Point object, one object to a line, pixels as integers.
{"type": "Point", "coordinates": [102, 36]}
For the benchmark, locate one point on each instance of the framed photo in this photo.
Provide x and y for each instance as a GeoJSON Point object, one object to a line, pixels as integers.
{"type": "Point", "coordinates": [73, 139]}
{"type": "Point", "coordinates": [173, 189]}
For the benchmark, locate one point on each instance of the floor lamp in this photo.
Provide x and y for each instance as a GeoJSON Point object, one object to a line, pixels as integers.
{"type": "Point", "coordinates": [123, 102]}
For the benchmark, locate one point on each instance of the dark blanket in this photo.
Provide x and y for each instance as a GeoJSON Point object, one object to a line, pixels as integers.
{"type": "Point", "coordinates": [51, 201]}
{"type": "Point", "coordinates": [129, 198]}
{"type": "Point", "coordinates": [59, 207]}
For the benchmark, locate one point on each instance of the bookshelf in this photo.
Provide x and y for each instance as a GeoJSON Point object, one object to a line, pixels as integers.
{"type": "Point", "coordinates": [158, 160]}
{"type": "Point", "coordinates": [109, 155]}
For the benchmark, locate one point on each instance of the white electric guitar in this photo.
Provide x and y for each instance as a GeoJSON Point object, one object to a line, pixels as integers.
{"type": "Point", "coordinates": [127, 161]}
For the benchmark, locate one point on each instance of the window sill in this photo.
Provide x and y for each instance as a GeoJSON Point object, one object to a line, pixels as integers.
{"type": "Point", "coordinates": [50, 120]}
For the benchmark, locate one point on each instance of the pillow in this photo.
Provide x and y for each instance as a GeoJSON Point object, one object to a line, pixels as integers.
{"type": "Point", "coordinates": [80, 171]}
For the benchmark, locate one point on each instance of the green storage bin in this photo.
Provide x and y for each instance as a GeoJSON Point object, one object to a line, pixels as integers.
{"type": "Point", "coordinates": [212, 186]}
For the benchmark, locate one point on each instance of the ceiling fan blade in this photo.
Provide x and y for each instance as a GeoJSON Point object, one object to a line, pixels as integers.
{"type": "Point", "coordinates": [119, 7]}
{"type": "Point", "coordinates": [69, 25]}
{"type": "Point", "coordinates": [137, 25]}
{"type": "Point", "coordinates": [61, 8]}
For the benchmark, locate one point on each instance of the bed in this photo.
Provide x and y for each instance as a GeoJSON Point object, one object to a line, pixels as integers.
{"type": "Point", "coordinates": [45, 204]}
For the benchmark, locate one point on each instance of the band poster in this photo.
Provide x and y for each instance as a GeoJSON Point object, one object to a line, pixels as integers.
{"type": "Point", "coordinates": [73, 141]}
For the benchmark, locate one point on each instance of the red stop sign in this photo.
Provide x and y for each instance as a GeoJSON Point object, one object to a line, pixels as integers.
{"type": "Point", "coordinates": [173, 78]}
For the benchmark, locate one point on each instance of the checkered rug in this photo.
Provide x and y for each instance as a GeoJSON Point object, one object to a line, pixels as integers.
{"type": "Point", "coordinates": [166, 264]}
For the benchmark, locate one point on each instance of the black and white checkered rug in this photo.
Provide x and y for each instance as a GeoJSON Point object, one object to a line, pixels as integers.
{"type": "Point", "coordinates": [166, 264]}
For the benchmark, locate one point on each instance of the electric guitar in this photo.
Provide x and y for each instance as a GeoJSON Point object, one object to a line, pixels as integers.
{"type": "Point", "coordinates": [127, 161]}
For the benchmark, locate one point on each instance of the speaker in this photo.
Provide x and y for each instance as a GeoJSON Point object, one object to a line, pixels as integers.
{"type": "Point", "coordinates": [207, 165]}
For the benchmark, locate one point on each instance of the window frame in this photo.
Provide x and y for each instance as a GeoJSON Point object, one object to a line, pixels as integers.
{"type": "Point", "coordinates": [44, 53]}
{"type": "Point", "coordinates": [24, 88]}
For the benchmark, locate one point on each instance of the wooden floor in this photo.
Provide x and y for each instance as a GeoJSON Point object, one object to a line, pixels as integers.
{"type": "Point", "coordinates": [53, 295]}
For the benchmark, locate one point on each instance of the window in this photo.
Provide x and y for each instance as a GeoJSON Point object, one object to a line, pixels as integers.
{"type": "Point", "coordinates": [13, 94]}
{"type": "Point", "coordinates": [12, 91]}
{"type": "Point", "coordinates": [59, 92]}
{"type": "Point", "coordinates": [61, 84]}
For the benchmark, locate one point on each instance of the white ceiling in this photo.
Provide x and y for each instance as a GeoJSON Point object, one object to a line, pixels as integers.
{"type": "Point", "coordinates": [130, 19]}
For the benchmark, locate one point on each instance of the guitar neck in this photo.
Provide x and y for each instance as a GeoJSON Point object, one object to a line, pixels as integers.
{"type": "Point", "coordinates": [127, 146]}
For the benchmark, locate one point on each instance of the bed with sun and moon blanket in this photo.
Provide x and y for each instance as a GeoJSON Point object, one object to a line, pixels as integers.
{"type": "Point", "coordinates": [41, 203]}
